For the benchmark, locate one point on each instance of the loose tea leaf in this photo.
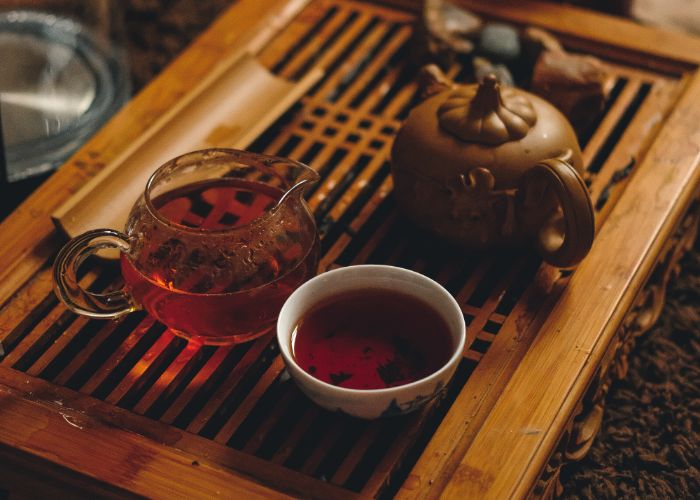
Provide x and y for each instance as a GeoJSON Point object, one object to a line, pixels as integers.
{"type": "Point", "coordinates": [339, 378]}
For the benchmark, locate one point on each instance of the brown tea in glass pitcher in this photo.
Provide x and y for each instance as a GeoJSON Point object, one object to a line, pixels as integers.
{"type": "Point", "coordinates": [218, 241]}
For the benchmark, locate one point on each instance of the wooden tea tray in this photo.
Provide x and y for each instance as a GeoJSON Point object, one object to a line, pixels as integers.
{"type": "Point", "coordinates": [121, 408]}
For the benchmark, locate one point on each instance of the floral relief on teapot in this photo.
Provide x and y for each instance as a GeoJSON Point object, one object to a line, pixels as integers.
{"type": "Point", "coordinates": [474, 201]}
{"type": "Point", "coordinates": [485, 166]}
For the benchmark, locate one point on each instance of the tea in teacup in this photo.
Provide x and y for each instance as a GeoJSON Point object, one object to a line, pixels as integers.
{"type": "Point", "coordinates": [371, 339]}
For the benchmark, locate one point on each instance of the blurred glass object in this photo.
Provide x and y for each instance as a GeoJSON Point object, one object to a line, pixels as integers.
{"type": "Point", "coordinates": [63, 73]}
{"type": "Point", "coordinates": [669, 14]}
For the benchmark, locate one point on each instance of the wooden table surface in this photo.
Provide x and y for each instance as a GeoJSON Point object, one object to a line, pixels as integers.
{"type": "Point", "coordinates": [127, 409]}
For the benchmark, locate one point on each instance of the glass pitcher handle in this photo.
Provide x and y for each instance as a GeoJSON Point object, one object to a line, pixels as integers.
{"type": "Point", "coordinates": [95, 305]}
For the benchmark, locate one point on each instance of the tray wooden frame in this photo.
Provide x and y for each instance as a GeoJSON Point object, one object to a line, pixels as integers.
{"type": "Point", "coordinates": [573, 351]}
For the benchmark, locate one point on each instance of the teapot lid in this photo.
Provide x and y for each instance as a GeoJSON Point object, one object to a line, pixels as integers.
{"type": "Point", "coordinates": [487, 114]}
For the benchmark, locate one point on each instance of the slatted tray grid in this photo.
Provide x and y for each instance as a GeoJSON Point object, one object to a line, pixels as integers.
{"type": "Point", "coordinates": [240, 398]}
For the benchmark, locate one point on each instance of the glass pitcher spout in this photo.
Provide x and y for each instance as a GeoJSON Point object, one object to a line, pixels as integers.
{"type": "Point", "coordinates": [306, 177]}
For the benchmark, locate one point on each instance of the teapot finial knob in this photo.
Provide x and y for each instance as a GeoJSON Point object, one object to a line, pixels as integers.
{"type": "Point", "coordinates": [490, 80]}
{"type": "Point", "coordinates": [487, 113]}
{"type": "Point", "coordinates": [488, 94]}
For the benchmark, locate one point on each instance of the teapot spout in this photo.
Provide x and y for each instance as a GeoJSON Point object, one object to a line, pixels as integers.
{"type": "Point", "coordinates": [432, 80]}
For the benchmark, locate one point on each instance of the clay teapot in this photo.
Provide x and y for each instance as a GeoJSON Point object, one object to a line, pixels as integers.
{"type": "Point", "coordinates": [487, 166]}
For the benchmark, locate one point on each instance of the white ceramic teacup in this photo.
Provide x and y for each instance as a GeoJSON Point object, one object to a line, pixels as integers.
{"type": "Point", "coordinates": [370, 404]}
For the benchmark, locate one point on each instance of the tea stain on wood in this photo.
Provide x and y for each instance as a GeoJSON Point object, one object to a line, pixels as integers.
{"type": "Point", "coordinates": [121, 457]}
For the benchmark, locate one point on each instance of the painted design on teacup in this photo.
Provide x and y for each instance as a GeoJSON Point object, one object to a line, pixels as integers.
{"type": "Point", "coordinates": [396, 408]}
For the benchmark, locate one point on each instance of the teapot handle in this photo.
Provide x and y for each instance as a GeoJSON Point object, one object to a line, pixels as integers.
{"type": "Point", "coordinates": [566, 237]}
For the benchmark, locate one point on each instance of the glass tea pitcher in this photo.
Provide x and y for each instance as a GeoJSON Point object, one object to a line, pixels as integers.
{"type": "Point", "coordinates": [212, 249]}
